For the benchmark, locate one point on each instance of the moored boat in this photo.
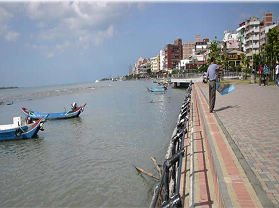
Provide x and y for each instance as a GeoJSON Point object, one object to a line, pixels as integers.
{"type": "Point", "coordinates": [157, 89]}
{"type": "Point", "coordinates": [19, 130]}
{"type": "Point", "coordinates": [74, 112]}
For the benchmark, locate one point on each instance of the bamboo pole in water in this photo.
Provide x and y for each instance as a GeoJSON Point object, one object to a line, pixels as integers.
{"type": "Point", "coordinates": [157, 166]}
{"type": "Point", "coordinates": [147, 173]}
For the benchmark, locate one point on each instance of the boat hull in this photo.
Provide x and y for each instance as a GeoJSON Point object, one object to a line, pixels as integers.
{"type": "Point", "coordinates": [62, 115]}
{"type": "Point", "coordinates": [24, 132]}
{"type": "Point", "coordinates": [157, 89]}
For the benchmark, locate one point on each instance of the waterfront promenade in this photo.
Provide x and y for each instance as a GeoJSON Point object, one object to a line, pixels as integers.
{"type": "Point", "coordinates": [232, 155]}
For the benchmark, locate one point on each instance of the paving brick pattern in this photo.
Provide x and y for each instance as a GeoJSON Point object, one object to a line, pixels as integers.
{"type": "Point", "coordinates": [251, 116]}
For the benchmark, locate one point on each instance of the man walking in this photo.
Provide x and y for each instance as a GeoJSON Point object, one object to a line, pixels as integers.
{"type": "Point", "coordinates": [211, 74]}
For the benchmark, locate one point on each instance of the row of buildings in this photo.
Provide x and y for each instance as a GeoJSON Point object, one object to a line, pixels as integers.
{"type": "Point", "coordinates": [248, 38]}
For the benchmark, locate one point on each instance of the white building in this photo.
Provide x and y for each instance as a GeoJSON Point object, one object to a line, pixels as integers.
{"type": "Point", "coordinates": [183, 62]}
{"type": "Point", "coordinates": [231, 40]}
{"type": "Point", "coordinates": [155, 64]}
{"type": "Point", "coordinates": [138, 65]}
{"type": "Point", "coordinates": [162, 60]}
{"type": "Point", "coordinates": [201, 46]}
{"type": "Point", "coordinates": [145, 66]}
{"type": "Point", "coordinates": [252, 36]}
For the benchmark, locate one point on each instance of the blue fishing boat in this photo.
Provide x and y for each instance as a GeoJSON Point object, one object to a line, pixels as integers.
{"type": "Point", "coordinates": [157, 89]}
{"type": "Point", "coordinates": [74, 112]}
{"type": "Point", "coordinates": [18, 130]}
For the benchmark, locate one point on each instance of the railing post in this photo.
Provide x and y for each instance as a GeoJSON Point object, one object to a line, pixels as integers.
{"type": "Point", "coordinates": [166, 185]}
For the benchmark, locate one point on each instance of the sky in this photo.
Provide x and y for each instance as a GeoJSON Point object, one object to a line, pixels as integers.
{"type": "Point", "coordinates": [63, 42]}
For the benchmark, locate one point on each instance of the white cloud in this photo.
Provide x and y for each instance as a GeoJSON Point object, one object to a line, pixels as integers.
{"type": "Point", "coordinates": [79, 24]}
{"type": "Point", "coordinates": [11, 36]}
{"type": "Point", "coordinates": [50, 55]}
{"type": "Point", "coordinates": [5, 17]}
{"type": "Point", "coordinates": [102, 35]}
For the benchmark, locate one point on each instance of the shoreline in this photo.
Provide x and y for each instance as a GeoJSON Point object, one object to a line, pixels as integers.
{"type": "Point", "coordinates": [6, 88]}
{"type": "Point", "coordinates": [11, 99]}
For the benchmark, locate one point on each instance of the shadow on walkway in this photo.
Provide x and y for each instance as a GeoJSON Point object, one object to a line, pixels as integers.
{"type": "Point", "coordinates": [227, 107]}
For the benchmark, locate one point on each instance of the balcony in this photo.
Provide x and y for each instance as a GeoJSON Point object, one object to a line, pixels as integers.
{"type": "Point", "coordinates": [255, 46]}
{"type": "Point", "coordinates": [253, 23]}
{"type": "Point", "coordinates": [253, 38]}
{"type": "Point", "coordinates": [252, 31]}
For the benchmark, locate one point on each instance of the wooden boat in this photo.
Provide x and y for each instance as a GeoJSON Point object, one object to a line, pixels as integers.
{"type": "Point", "coordinates": [18, 130]}
{"type": "Point", "coordinates": [157, 89]}
{"type": "Point", "coordinates": [74, 112]}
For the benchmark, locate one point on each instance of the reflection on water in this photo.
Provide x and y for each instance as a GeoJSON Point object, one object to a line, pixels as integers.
{"type": "Point", "coordinates": [89, 161]}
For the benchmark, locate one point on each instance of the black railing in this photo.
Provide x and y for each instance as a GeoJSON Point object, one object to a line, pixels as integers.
{"type": "Point", "coordinates": [167, 193]}
{"type": "Point", "coordinates": [186, 75]}
{"type": "Point", "coordinates": [231, 74]}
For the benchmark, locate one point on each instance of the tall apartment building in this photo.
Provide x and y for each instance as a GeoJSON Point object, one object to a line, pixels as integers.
{"type": "Point", "coordinates": [158, 62]}
{"type": "Point", "coordinates": [155, 64]}
{"type": "Point", "coordinates": [173, 54]}
{"type": "Point", "coordinates": [241, 35]}
{"type": "Point", "coordinates": [145, 66]}
{"type": "Point", "coordinates": [251, 34]}
{"type": "Point", "coordinates": [188, 48]}
{"type": "Point", "coordinates": [265, 26]}
{"type": "Point", "coordinates": [138, 65]}
{"type": "Point", "coordinates": [162, 60]}
{"type": "Point", "coordinates": [268, 19]}
{"type": "Point", "coordinates": [198, 38]}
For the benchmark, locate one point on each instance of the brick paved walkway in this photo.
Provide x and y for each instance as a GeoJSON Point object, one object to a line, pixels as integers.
{"type": "Point", "coordinates": [251, 116]}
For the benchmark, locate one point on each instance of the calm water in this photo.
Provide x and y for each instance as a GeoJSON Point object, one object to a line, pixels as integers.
{"type": "Point", "coordinates": [87, 161]}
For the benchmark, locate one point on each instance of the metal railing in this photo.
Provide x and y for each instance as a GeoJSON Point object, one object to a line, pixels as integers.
{"type": "Point", "coordinates": [186, 75]}
{"type": "Point", "coordinates": [231, 74]}
{"type": "Point", "coordinates": [167, 192]}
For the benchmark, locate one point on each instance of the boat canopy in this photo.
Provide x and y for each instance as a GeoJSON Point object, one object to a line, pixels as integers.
{"type": "Point", "coordinates": [17, 122]}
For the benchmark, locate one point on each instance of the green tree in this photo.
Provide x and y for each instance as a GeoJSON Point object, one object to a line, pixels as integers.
{"type": "Point", "coordinates": [215, 51]}
{"type": "Point", "coordinates": [256, 61]}
{"type": "Point", "coordinates": [224, 60]}
{"type": "Point", "coordinates": [244, 63]}
{"type": "Point", "coordinates": [271, 48]}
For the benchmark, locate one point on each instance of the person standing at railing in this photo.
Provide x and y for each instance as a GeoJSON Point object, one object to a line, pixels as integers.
{"type": "Point", "coordinates": [211, 74]}
{"type": "Point", "coordinates": [266, 71]}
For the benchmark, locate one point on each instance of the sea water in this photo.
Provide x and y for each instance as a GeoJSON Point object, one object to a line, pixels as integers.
{"type": "Point", "coordinates": [88, 161]}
